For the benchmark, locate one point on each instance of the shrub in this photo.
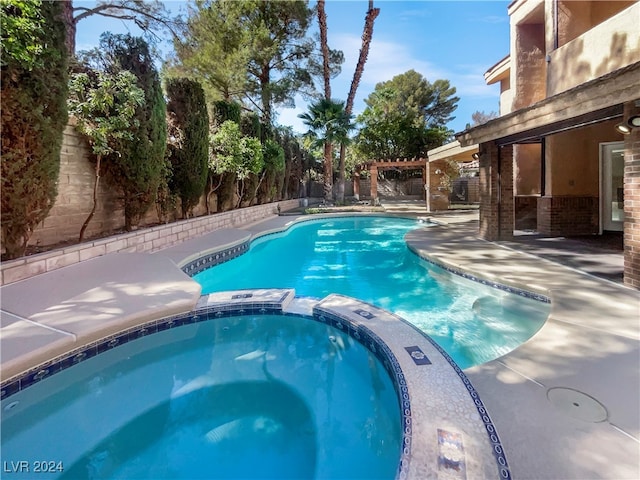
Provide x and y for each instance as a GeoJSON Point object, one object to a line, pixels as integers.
{"type": "Point", "coordinates": [189, 140]}
{"type": "Point", "coordinates": [33, 118]}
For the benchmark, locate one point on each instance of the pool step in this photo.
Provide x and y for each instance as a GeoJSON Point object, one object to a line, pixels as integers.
{"type": "Point", "coordinates": [254, 299]}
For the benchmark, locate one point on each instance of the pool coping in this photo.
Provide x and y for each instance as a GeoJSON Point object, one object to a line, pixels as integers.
{"type": "Point", "coordinates": [582, 309]}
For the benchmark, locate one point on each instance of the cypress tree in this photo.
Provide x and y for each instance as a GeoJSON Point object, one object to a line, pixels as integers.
{"type": "Point", "coordinates": [139, 170]}
{"type": "Point", "coordinates": [34, 114]}
{"type": "Point", "coordinates": [223, 111]}
{"type": "Point", "coordinates": [189, 147]}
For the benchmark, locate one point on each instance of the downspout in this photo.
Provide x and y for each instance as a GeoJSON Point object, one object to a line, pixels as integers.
{"type": "Point", "coordinates": [499, 192]}
{"type": "Point", "coordinates": [543, 167]}
{"type": "Point", "coordinates": [555, 25]}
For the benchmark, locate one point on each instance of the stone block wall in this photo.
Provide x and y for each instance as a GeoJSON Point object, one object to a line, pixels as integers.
{"type": "Point", "coordinates": [567, 216]}
{"type": "Point", "coordinates": [74, 200]}
{"type": "Point", "coordinates": [143, 240]}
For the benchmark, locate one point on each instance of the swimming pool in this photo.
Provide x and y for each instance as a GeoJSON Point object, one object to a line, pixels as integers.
{"type": "Point", "coordinates": [267, 396]}
{"type": "Point", "coordinates": [366, 257]}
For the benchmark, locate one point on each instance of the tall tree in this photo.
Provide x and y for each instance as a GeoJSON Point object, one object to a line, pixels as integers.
{"type": "Point", "coordinates": [214, 49]}
{"type": "Point", "coordinates": [148, 15]}
{"type": "Point", "coordinates": [328, 123]}
{"type": "Point", "coordinates": [252, 51]}
{"type": "Point", "coordinates": [33, 116]}
{"type": "Point", "coordinates": [188, 122]}
{"type": "Point", "coordinates": [367, 35]}
{"type": "Point", "coordinates": [406, 116]}
{"type": "Point", "coordinates": [324, 47]}
{"type": "Point", "coordinates": [138, 172]}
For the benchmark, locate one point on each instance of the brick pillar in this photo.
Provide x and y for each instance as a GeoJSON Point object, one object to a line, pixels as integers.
{"type": "Point", "coordinates": [374, 184]}
{"type": "Point", "coordinates": [496, 191]}
{"type": "Point", "coordinates": [632, 201]}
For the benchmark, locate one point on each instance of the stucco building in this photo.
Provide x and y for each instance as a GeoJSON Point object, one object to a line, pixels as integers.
{"type": "Point", "coordinates": [557, 156]}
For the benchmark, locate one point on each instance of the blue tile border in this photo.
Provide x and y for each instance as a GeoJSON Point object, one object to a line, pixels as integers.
{"type": "Point", "coordinates": [500, 286]}
{"type": "Point", "coordinates": [383, 353]}
{"type": "Point", "coordinates": [215, 258]}
{"type": "Point", "coordinates": [498, 450]}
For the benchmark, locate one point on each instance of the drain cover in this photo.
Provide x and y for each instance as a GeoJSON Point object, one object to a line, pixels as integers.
{"type": "Point", "coordinates": [577, 404]}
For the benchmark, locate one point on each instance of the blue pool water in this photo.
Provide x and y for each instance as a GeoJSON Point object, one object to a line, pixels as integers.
{"type": "Point", "coordinates": [367, 258]}
{"type": "Point", "coordinates": [242, 397]}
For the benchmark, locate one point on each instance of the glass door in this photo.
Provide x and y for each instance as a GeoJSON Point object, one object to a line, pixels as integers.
{"type": "Point", "coordinates": [612, 186]}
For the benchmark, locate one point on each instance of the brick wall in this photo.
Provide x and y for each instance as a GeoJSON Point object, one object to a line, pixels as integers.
{"type": "Point", "coordinates": [632, 202]}
{"type": "Point", "coordinates": [525, 212]}
{"type": "Point", "coordinates": [144, 240]}
{"type": "Point", "coordinates": [566, 216]}
{"type": "Point", "coordinates": [496, 191]}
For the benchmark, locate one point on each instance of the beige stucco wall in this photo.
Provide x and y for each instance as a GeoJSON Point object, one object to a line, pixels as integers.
{"type": "Point", "coordinates": [506, 96]}
{"type": "Point", "coordinates": [572, 159]}
{"type": "Point", "coordinates": [597, 51]}
{"type": "Point", "coordinates": [528, 72]}
{"type": "Point", "coordinates": [526, 169]}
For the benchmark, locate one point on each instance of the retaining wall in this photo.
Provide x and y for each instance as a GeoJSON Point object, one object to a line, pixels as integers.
{"type": "Point", "coordinates": [143, 240]}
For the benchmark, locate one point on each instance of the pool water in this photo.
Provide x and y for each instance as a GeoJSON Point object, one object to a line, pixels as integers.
{"type": "Point", "coordinates": [367, 258]}
{"type": "Point", "coordinates": [241, 397]}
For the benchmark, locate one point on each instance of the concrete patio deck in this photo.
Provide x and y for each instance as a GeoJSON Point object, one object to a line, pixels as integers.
{"type": "Point", "coordinates": [590, 344]}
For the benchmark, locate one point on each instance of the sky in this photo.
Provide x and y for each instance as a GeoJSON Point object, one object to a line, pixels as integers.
{"type": "Point", "coordinates": [456, 40]}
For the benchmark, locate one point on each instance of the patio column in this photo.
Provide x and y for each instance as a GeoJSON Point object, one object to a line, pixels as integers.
{"type": "Point", "coordinates": [425, 182]}
{"type": "Point", "coordinates": [373, 170]}
{"type": "Point", "coordinates": [356, 183]}
{"type": "Point", "coordinates": [632, 201]}
{"type": "Point", "coordinates": [496, 191]}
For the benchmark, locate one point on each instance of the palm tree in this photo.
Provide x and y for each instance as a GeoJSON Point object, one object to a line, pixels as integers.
{"type": "Point", "coordinates": [328, 123]}
{"type": "Point", "coordinates": [367, 35]}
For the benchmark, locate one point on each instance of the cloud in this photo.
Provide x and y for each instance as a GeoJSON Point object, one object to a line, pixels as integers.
{"type": "Point", "coordinates": [386, 60]}
{"type": "Point", "coordinates": [289, 116]}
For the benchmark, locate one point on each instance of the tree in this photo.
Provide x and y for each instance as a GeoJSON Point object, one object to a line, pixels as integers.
{"type": "Point", "coordinates": [328, 123]}
{"type": "Point", "coordinates": [104, 106]}
{"type": "Point", "coordinates": [188, 122]}
{"type": "Point", "coordinates": [406, 117]}
{"type": "Point", "coordinates": [274, 163]}
{"type": "Point", "coordinates": [478, 118]}
{"type": "Point", "coordinates": [367, 35]}
{"type": "Point", "coordinates": [21, 26]}
{"type": "Point", "coordinates": [33, 117]}
{"type": "Point", "coordinates": [324, 47]}
{"type": "Point", "coordinates": [252, 51]}
{"type": "Point", "coordinates": [139, 170]}
{"type": "Point", "coordinates": [148, 15]}
{"type": "Point", "coordinates": [214, 50]}
{"type": "Point", "coordinates": [236, 154]}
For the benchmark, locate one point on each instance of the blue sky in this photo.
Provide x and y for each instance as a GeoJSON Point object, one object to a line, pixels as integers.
{"type": "Point", "coordinates": [453, 40]}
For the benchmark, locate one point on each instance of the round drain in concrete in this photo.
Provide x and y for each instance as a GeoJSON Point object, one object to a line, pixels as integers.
{"type": "Point", "coordinates": [577, 404]}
